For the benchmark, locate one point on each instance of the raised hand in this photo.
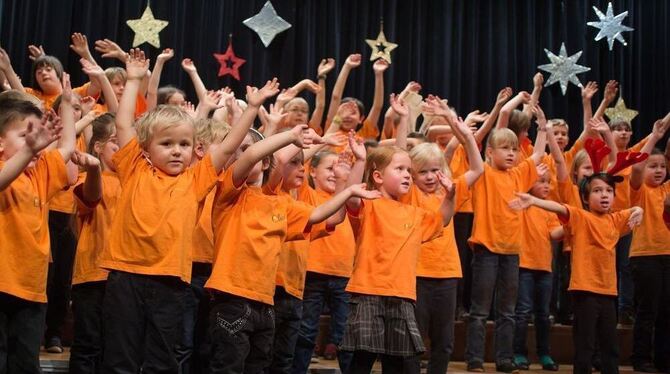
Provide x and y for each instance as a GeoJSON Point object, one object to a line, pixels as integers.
{"type": "Point", "coordinates": [84, 160]}
{"type": "Point", "coordinates": [435, 106]}
{"type": "Point", "coordinates": [211, 100]}
{"type": "Point", "coordinates": [538, 80]}
{"type": "Point", "coordinates": [80, 45]}
{"type": "Point", "coordinates": [447, 184]}
{"type": "Point", "coordinates": [325, 66]}
{"type": "Point", "coordinates": [188, 66]}
{"type": "Point", "coordinates": [598, 124]}
{"type": "Point", "coordinates": [524, 97]}
{"type": "Point", "coordinates": [39, 135]}
{"type": "Point", "coordinates": [256, 97]}
{"type": "Point", "coordinates": [342, 167]}
{"type": "Point", "coordinates": [110, 49]}
{"type": "Point", "coordinates": [301, 136]}
{"type": "Point", "coordinates": [475, 117]}
{"type": "Point", "coordinates": [91, 69]}
{"type": "Point", "coordinates": [659, 129]}
{"type": "Point", "coordinates": [360, 190]}
{"type": "Point", "coordinates": [522, 201]}
{"type": "Point", "coordinates": [167, 54]}
{"type": "Point", "coordinates": [540, 118]}
{"type": "Point", "coordinates": [136, 65]}
{"type": "Point", "coordinates": [347, 109]}
{"type": "Point", "coordinates": [335, 139]}
{"type": "Point", "coordinates": [412, 86]}
{"type": "Point", "coordinates": [380, 66]}
{"type": "Point", "coordinates": [357, 147]}
{"type": "Point", "coordinates": [34, 52]}
{"type": "Point", "coordinates": [503, 96]}
{"type": "Point", "coordinates": [5, 62]}
{"type": "Point", "coordinates": [188, 107]}
{"type": "Point", "coordinates": [275, 115]}
{"type": "Point", "coordinates": [635, 218]}
{"type": "Point", "coordinates": [542, 169]}
{"type": "Point", "coordinates": [87, 104]}
{"type": "Point", "coordinates": [66, 95]}
{"type": "Point", "coordinates": [611, 90]}
{"type": "Point", "coordinates": [354, 60]}
{"type": "Point", "coordinates": [398, 105]}
{"type": "Point", "coordinates": [589, 90]}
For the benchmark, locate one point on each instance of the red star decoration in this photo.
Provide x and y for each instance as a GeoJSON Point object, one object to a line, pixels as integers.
{"type": "Point", "coordinates": [230, 64]}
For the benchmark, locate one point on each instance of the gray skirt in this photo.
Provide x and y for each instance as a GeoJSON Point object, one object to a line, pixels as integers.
{"type": "Point", "coordinates": [382, 324]}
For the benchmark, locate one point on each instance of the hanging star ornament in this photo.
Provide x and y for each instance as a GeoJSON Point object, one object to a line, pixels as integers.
{"type": "Point", "coordinates": [381, 48]}
{"type": "Point", "coordinates": [563, 69]}
{"type": "Point", "coordinates": [621, 112]}
{"type": "Point", "coordinates": [147, 28]}
{"type": "Point", "coordinates": [267, 24]}
{"type": "Point", "coordinates": [610, 26]}
{"type": "Point", "coordinates": [229, 62]}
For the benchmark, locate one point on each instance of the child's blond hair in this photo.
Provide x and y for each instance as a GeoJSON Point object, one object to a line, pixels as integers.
{"type": "Point", "coordinates": [518, 122]}
{"type": "Point", "coordinates": [577, 161]}
{"type": "Point", "coordinates": [115, 72]}
{"type": "Point", "coordinates": [209, 131]}
{"type": "Point", "coordinates": [501, 137]}
{"type": "Point", "coordinates": [378, 159]}
{"type": "Point", "coordinates": [161, 117]}
{"type": "Point", "coordinates": [558, 122]}
{"type": "Point", "coordinates": [423, 153]}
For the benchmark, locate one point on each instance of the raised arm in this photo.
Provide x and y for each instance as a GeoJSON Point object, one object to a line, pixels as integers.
{"type": "Point", "coordinates": [190, 69]}
{"type": "Point", "coordinates": [136, 69]}
{"type": "Point", "coordinates": [587, 95]}
{"type": "Point", "coordinates": [357, 169]}
{"type": "Point", "coordinates": [6, 67]}
{"type": "Point", "coordinates": [372, 120]}
{"type": "Point", "coordinates": [538, 80]}
{"type": "Point", "coordinates": [97, 75]}
{"type": "Point", "coordinates": [657, 133]}
{"type": "Point", "coordinates": [154, 81]}
{"type": "Point", "coordinates": [352, 62]}
{"type": "Point", "coordinates": [541, 138]}
{"type": "Point", "coordinates": [611, 90]}
{"type": "Point", "coordinates": [476, 165]}
{"type": "Point", "coordinates": [501, 99]}
{"type": "Point", "coordinates": [324, 68]}
{"type": "Point", "coordinates": [401, 110]}
{"type": "Point", "coordinates": [447, 206]}
{"type": "Point", "coordinates": [598, 126]}
{"type": "Point", "coordinates": [67, 141]}
{"type": "Point", "coordinates": [562, 174]}
{"type": "Point", "coordinates": [209, 102]}
{"type": "Point", "coordinates": [92, 188]}
{"type": "Point", "coordinates": [522, 97]}
{"type": "Point", "coordinates": [525, 200]}
{"type": "Point", "coordinates": [336, 204]}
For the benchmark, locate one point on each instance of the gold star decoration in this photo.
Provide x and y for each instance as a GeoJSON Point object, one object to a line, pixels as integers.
{"type": "Point", "coordinates": [147, 28]}
{"type": "Point", "coordinates": [621, 112]}
{"type": "Point", "coordinates": [381, 48]}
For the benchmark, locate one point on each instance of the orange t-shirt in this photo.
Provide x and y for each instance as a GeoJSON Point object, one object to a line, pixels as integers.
{"type": "Point", "coordinates": [24, 237]}
{"type": "Point", "coordinates": [622, 191]}
{"type": "Point", "coordinates": [568, 193]}
{"type": "Point", "coordinates": [460, 165]}
{"type": "Point", "coordinates": [536, 251]}
{"type": "Point", "coordinates": [344, 148]}
{"type": "Point", "coordinates": [388, 242]}
{"type": "Point", "coordinates": [496, 226]}
{"type": "Point", "coordinates": [593, 260]}
{"type": "Point", "coordinates": [650, 238]}
{"type": "Point", "coordinates": [249, 229]}
{"type": "Point", "coordinates": [203, 236]}
{"type": "Point", "coordinates": [48, 100]}
{"type": "Point", "coordinates": [152, 231]}
{"type": "Point", "coordinates": [439, 257]}
{"type": "Point", "coordinates": [94, 222]}
{"type": "Point", "coordinates": [64, 200]}
{"type": "Point", "coordinates": [568, 155]}
{"type": "Point", "coordinates": [369, 130]}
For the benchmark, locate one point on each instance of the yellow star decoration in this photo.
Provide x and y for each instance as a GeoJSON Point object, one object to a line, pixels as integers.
{"type": "Point", "coordinates": [621, 112]}
{"type": "Point", "coordinates": [147, 28]}
{"type": "Point", "coordinates": [381, 48]}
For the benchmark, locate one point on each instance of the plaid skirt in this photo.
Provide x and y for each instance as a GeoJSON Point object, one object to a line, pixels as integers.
{"type": "Point", "coordinates": [382, 324]}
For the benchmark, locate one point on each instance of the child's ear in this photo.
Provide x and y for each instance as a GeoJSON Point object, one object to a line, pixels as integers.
{"type": "Point", "coordinates": [377, 177]}
{"type": "Point", "coordinates": [362, 118]}
{"type": "Point", "coordinates": [97, 147]}
{"type": "Point", "coordinates": [489, 152]}
{"type": "Point", "coordinates": [199, 150]}
{"type": "Point", "coordinates": [266, 164]}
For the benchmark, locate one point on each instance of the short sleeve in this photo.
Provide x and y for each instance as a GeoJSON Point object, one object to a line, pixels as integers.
{"type": "Point", "coordinates": [226, 192]}
{"type": "Point", "coordinates": [127, 158]}
{"type": "Point", "coordinates": [620, 220]}
{"type": "Point", "coordinates": [462, 194]}
{"type": "Point", "coordinates": [553, 222]}
{"type": "Point", "coordinates": [525, 174]}
{"type": "Point", "coordinates": [204, 177]}
{"type": "Point", "coordinates": [297, 219]}
{"type": "Point", "coordinates": [432, 225]}
{"type": "Point", "coordinates": [51, 171]}
{"type": "Point", "coordinates": [82, 91]}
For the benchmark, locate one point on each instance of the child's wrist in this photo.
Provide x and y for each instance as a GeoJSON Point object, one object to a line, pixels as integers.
{"type": "Point", "coordinates": [321, 76]}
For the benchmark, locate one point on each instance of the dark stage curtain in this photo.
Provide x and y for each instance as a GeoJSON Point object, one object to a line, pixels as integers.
{"type": "Point", "coordinates": [463, 50]}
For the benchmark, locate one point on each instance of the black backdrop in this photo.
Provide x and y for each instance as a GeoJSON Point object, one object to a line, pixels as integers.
{"type": "Point", "coordinates": [463, 50]}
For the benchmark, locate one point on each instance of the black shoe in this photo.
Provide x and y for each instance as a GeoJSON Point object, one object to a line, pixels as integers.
{"type": "Point", "coordinates": [54, 345]}
{"type": "Point", "coordinates": [476, 367]}
{"type": "Point", "coordinates": [645, 367]}
{"type": "Point", "coordinates": [507, 366]}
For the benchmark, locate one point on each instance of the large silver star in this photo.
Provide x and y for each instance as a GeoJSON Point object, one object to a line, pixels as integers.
{"type": "Point", "coordinates": [610, 26]}
{"type": "Point", "coordinates": [267, 23]}
{"type": "Point", "coordinates": [563, 69]}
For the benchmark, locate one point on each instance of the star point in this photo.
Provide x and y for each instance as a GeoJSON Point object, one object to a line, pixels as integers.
{"type": "Point", "coordinates": [609, 26]}
{"type": "Point", "coordinates": [147, 28]}
{"type": "Point", "coordinates": [267, 23]}
{"type": "Point", "coordinates": [620, 111]}
{"type": "Point", "coordinates": [381, 48]}
{"type": "Point", "coordinates": [563, 68]}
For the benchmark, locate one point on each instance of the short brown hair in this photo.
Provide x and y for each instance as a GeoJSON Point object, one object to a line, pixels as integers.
{"type": "Point", "coordinates": [50, 61]}
{"type": "Point", "coordinates": [15, 110]}
{"type": "Point", "coordinates": [518, 122]}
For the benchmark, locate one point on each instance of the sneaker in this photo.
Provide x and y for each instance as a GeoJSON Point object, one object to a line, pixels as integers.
{"type": "Point", "coordinates": [548, 363]}
{"type": "Point", "coordinates": [54, 345]}
{"type": "Point", "coordinates": [521, 362]}
{"type": "Point", "coordinates": [507, 366]}
{"type": "Point", "coordinates": [314, 360]}
{"type": "Point", "coordinates": [645, 367]}
{"type": "Point", "coordinates": [476, 367]}
{"type": "Point", "coordinates": [330, 352]}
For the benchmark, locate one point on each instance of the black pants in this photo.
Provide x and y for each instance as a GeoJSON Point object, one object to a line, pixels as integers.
{"type": "Point", "coordinates": [21, 326]}
{"type": "Point", "coordinates": [288, 312]}
{"type": "Point", "coordinates": [595, 318]}
{"type": "Point", "coordinates": [561, 299]}
{"type": "Point", "coordinates": [143, 317]}
{"type": "Point", "coordinates": [193, 351]}
{"type": "Point", "coordinates": [462, 230]}
{"type": "Point", "coordinates": [241, 332]}
{"type": "Point", "coordinates": [88, 343]}
{"type": "Point", "coordinates": [63, 248]}
{"type": "Point", "coordinates": [651, 276]}
{"type": "Point", "coordinates": [363, 361]}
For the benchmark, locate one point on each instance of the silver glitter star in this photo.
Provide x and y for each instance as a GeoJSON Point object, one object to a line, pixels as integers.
{"type": "Point", "coordinates": [267, 23]}
{"type": "Point", "coordinates": [563, 69]}
{"type": "Point", "coordinates": [610, 26]}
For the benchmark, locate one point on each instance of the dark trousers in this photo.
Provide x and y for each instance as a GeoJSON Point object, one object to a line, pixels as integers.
{"type": "Point", "coordinates": [241, 334]}
{"type": "Point", "coordinates": [492, 275]}
{"type": "Point", "coordinates": [21, 327]}
{"type": "Point", "coordinates": [534, 298]}
{"type": "Point", "coordinates": [363, 361]}
{"type": "Point", "coordinates": [321, 290]}
{"type": "Point", "coordinates": [462, 231]}
{"type": "Point", "coordinates": [288, 312]}
{"type": "Point", "coordinates": [651, 276]}
{"type": "Point", "coordinates": [595, 318]}
{"type": "Point", "coordinates": [193, 350]}
{"type": "Point", "coordinates": [59, 280]}
{"type": "Point", "coordinates": [143, 317]}
{"type": "Point", "coordinates": [561, 298]}
{"type": "Point", "coordinates": [435, 314]}
{"type": "Point", "coordinates": [624, 277]}
{"type": "Point", "coordinates": [88, 342]}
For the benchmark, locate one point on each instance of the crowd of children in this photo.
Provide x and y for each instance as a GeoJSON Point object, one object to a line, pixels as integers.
{"type": "Point", "coordinates": [188, 239]}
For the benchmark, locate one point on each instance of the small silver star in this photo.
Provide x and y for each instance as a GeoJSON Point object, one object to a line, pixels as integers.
{"type": "Point", "coordinates": [610, 26]}
{"type": "Point", "coordinates": [563, 69]}
{"type": "Point", "coordinates": [267, 23]}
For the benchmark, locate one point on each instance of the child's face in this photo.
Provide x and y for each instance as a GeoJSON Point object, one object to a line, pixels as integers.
{"type": "Point", "coordinates": [601, 196]}
{"type": "Point", "coordinates": [171, 148]}
{"type": "Point", "coordinates": [541, 187]}
{"type": "Point", "coordinates": [561, 136]}
{"type": "Point", "coordinates": [294, 173]}
{"type": "Point", "coordinates": [584, 170]}
{"type": "Point", "coordinates": [14, 138]}
{"type": "Point", "coordinates": [176, 99]}
{"type": "Point", "coordinates": [76, 107]}
{"type": "Point", "coordinates": [396, 179]}
{"type": "Point", "coordinates": [622, 136]}
{"type": "Point", "coordinates": [655, 170]}
{"type": "Point", "coordinates": [324, 174]}
{"type": "Point", "coordinates": [503, 156]}
{"type": "Point", "coordinates": [426, 176]}
{"type": "Point", "coordinates": [298, 113]}
{"type": "Point", "coordinates": [106, 151]}
{"type": "Point", "coordinates": [118, 84]}
{"type": "Point", "coordinates": [47, 79]}
{"type": "Point", "coordinates": [352, 120]}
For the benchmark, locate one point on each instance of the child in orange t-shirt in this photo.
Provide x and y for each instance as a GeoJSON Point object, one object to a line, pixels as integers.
{"type": "Point", "coordinates": [594, 233]}
{"type": "Point", "coordinates": [650, 254]}
{"type": "Point", "coordinates": [96, 201]}
{"type": "Point", "coordinates": [149, 252]}
{"type": "Point", "coordinates": [389, 235]}
{"type": "Point", "coordinates": [29, 177]}
{"type": "Point", "coordinates": [249, 229]}
{"type": "Point", "coordinates": [496, 242]}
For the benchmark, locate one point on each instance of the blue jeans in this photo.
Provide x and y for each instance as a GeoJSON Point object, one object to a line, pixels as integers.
{"type": "Point", "coordinates": [492, 274]}
{"type": "Point", "coordinates": [534, 298]}
{"type": "Point", "coordinates": [321, 289]}
{"type": "Point", "coordinates": [624, 277]}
